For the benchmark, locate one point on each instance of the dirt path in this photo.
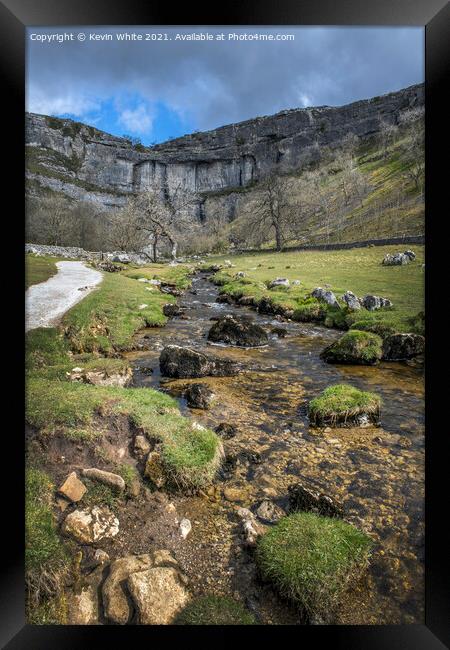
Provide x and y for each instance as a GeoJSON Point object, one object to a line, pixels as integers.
{"type": "Point", "coordinates": [46, 302]}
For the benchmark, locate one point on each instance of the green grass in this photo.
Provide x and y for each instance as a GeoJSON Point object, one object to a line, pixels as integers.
{"type": "Point", "coordinates": [107, 319]}
{"type": "Point", "coordinates": [178, 276]}
{"type": "Point", "coordinates": [42, 545]}
{"type": "Point", "coordinates": [39, 269]}
{"type": "Point", "coordinates": [99, 494]}
{"type": "Point", "coordinates": [215, 610]}
{"type": "Point", "coordinates": [358, 270]}
{"type": "Point", "coordinates": [190, 456]}
{"type": "Point", "coordinates": [46, 558]}
{"type": "Point", "coordinates": [52, 611]}
{"type": "Point", "coordinates": [311, 559]}
{"type": "Point", "coordinates": [355, 347]}
{"type": "Point", "coordinates": [342, 402]}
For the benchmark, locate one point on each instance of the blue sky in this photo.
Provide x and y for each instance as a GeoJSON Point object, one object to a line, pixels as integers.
{"type": "Point", "coordinates": [154, 90]}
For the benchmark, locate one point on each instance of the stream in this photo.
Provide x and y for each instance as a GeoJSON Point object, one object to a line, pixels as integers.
{"type": "Point", "coordinates": [376, 472]}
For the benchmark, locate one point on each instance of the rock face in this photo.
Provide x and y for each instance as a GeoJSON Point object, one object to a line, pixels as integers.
{"type": "Point", "coordinates": [159, 594]}
{"type": "Point", "coordinates": [90, 526]}
{"type": "Point", "coordinates": [90, 165]}
{"type": "Point", "coordinates": [399, 347]}
{"type": "Point", "coordinates": [303, 497]}
{"type": "Point", "coordinates": [199, 396]}
{"type": "Point", "coordinates": [233, 331]}
{"type": "Point", "coordinates": [325, 296]}
{"type": "Point", "coordinates": [179, 362]}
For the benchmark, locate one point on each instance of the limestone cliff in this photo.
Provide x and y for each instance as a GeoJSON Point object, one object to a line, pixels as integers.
{"type": "Point", "coordinates": [91, 165]}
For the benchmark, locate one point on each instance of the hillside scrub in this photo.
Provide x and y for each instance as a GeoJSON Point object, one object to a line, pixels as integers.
{"type": "Point", "coordinates": [312, 559]}
{"type": "Point", "coordinates": [358, 270]}
{"type": "Point", "coordinates": [342, 404]}
{"type": "Point", "coordinates": [107, 319]}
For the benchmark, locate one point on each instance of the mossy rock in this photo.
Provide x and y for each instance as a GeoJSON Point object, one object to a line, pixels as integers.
{"type": "Point", "coordinates": [312, 559]}
{"type": "Point", "coordinates": [215, 610]}
{"type": "Point", "coordinates": [355, 347]}
{"type": "Point", "coordinates": [309, 312]}
{"type": "Point", "coordinates": [345, 405]}
{"type": "Point", "coordinates": [381, 328]}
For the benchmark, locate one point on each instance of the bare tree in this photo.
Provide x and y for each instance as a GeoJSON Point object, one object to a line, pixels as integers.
{"type": "Point", "coordinates": [388, 134]}
{"type": "Point", "coordinates": [272, 210]}
{"type": "Point", "coordinates": [321, 198]}
{"type": "Point", "coordinates": [414, 146]}
{"type": "Point", "coordinates": [50, 221]}
{"type": "Point", "coordinates": [125, 233]}
{"type": "Point", "coordinates": [165, 214]}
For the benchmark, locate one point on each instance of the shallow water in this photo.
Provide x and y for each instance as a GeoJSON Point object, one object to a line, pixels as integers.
{"type": "Point", "coordinates": [377, 472]}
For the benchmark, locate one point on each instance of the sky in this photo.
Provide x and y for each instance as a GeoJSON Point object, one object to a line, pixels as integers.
{"type": "Point", "coordinates": [162, 87]}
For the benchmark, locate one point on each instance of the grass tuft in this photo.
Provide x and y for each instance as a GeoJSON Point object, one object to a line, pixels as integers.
{"type": "Point", "coordinates": [312, 559]}
{"type": "Point", "coordinates": [355, 347]}
{"type": "Point", "coordinates": [215, 610]}
{"type": "Point", "coordinates": [343, 403]}
{"type": "Point", "coordinates": [46, 559]}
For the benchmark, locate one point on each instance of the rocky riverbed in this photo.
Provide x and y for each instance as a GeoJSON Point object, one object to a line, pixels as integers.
{"type": "Point", "coordinates": [376, 473]}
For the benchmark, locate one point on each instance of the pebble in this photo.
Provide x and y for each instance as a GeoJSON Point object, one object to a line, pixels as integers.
{"type": "Point", "coordinates": [185, 527]}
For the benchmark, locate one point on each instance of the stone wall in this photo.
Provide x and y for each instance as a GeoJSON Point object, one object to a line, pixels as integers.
{"type": "Point", "coordinates": [72, 252]}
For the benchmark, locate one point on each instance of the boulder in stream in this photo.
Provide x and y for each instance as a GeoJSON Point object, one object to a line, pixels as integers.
{"type": "Point", "coordinates": [170, 310]}
{"type": "Point", "coordinates": [306, 498]}
{"type": "Point", "coordinates": [239, 332]}
{"type": "Point", "coordinates": [355, 347]}
{"type": "Point", "coordinates": [399, 347]}
{"type": "Point", "coordinates": [183, 363]}
{"type": "Point", "coordinates": [199, 396]}
{"type": "Point", "coordinates": [226, 430]}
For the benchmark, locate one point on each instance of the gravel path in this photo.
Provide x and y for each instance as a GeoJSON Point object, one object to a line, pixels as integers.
{"type": "Point", "coordinates": [46, 302]}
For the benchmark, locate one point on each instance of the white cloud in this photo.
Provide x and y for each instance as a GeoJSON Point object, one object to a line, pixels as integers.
{"type": "Point", "coordinates": [138, 120]}
{"type": "Point", "coordinates": [49, 104]}
{"type": "Point", "coordinates": [305, 100]}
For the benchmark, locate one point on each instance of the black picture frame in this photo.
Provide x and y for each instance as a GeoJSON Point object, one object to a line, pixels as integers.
{"type": "Point", "coordinates": [15, 15]}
